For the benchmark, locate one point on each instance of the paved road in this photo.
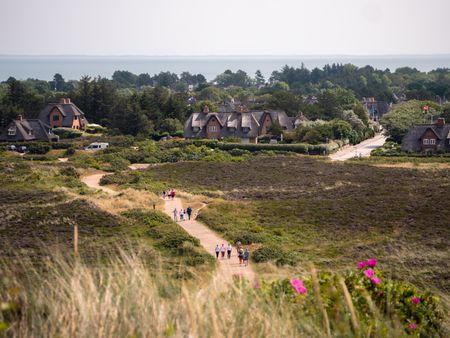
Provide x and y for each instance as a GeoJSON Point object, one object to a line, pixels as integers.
{"type": "Point", "coordinates": [362, 149]}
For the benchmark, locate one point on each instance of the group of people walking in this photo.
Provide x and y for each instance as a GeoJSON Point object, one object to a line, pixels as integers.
{"type": "Point", "coordinates": [170, 194]}
{"type": "Point", "coordinates": [243, 254]}
{"type": "Point", "coordinates": [182, 214]}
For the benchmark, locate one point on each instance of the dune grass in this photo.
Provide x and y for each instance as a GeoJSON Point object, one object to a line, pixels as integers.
{"type": "Point", "coordinates": [125, 298]}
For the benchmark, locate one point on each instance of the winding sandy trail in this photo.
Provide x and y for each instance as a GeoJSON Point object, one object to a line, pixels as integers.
{"type": "Point", "coordinates": [93, 181]}
{"type": "Point", "coordinates": [208, 238]}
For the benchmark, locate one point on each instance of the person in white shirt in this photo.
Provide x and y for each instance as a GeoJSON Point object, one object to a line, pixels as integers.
{"type": "Point", "coordinates": [229, 248]}
{"type": "Point", "coordinates": [217, 251]}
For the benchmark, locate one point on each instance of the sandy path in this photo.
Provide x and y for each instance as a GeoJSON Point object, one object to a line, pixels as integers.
{"type": "Point", "coordinates": [208, 239]}
{"type": "Point", "coordinates": [364, 149]}
{"type": "Point", "coordinates": [93, 181]}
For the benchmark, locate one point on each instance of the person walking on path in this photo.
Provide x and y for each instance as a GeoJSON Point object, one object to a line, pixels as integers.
{"type": "Point", "coordinates": [229, 251]}
{"type": "Point", "coordinates": [246, 256]}
{"type": "Point", "coordinates": [164, 194]}
{"type": "Point", "coordinates": [172, 194]}
{"type": "Point", "coordinates": [217, 251]}
{"type": "Point", "coordinates": [240, 255]}
{"type": "Point", "coordinates": [222, 251]}
{"type": "Point", "coordinates": [175, 215]}
{"type": "Point", "coordinates": [181, 215]}
{"type": "Point", "coordinates": [189, 212]}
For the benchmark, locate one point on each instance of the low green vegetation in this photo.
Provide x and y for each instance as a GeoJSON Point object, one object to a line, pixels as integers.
{"type": "Point", "coordinates": [294, 210]}
{"type": "Point", "coordinates": [41, 203]}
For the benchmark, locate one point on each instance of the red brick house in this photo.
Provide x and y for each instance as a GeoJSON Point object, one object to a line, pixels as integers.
{"type": "Point", "coordinates": [63, 114]}
{"type": "Point", "coordinates": [243, 124]}
{"type": "Point", "coordinates": [428, 138]}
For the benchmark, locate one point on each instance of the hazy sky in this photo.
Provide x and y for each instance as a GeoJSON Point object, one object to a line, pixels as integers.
{"type": "Point", "coordinates": [224, 27]}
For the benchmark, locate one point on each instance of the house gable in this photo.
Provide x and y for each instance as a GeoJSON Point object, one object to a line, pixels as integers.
{"type": "Point", "coordinates": [213, 127]}
{"type": "Point", "coordinates": [55, 118]}
{"type": "Point", "coordinates": [266, 123]}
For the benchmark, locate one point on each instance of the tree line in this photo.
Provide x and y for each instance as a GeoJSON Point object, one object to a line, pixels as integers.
{"type": "Point", "coordinates": [139, 103]}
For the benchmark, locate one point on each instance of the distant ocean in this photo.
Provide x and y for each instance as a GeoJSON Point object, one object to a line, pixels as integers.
{"type": "Point", "coordinates": [73, 67]}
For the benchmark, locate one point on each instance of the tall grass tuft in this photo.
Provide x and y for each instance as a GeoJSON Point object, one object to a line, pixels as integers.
{"type": "Point", "coordinates": [124, 297]}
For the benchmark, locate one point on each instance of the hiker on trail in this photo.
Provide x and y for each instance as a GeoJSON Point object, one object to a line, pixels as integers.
{"type": "Point", "coordinates": [181, 215]}
{"type": "Point", "coordinates": [217, 251]}
{"type": "Point", "coordinates": [172, 194]}
{"type": "Point", "coordinates": [246, 256]}
{"type": "Point", "coordinates": [240, 255]}
{"type": "Point", "coordinates": [229, 251]}
{"type": "Point", "coordinates": [238, 245]}
{"type": "Point", "coordinates": [189, 212]}
{"type": "Point", "coordinates": [175, 215]}
{"type": "Point", "coordinates": [164, 194]}
{"type": "Point", "coordinates": [222, 251]}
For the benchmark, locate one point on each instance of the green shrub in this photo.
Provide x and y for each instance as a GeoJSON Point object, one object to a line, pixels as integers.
{"type": "Point", "coordinates": [69, 171]}
{"type": "Point", "coordinates": [40, 148]}
{"type": "Point", "coordinates": [94, 129]}
{"type": "Point", "coordinates": [265, 254]}
{"type": "Point", "coordinates": [69, 152]}
{"type": "Point", "coordinates": [67, 133]}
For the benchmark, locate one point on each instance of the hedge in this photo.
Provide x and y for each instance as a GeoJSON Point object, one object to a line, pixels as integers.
{"type": "Point", "coordinates": [299, 148]}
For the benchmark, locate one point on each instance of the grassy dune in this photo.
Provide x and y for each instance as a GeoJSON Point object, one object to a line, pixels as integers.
{"type": "Point", "coordinates": [306, 209]}
{"type": "Point", "coordinates": [127, 299]}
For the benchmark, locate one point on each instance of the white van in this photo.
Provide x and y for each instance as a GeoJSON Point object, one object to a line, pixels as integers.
{"type": "Point", "coordinates": [97, 146]}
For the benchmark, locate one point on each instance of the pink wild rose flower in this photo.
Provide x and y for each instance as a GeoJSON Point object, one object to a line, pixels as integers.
{"type": "Point", "coordinates": [297, 284]}
{"type": "Point", "coordinates": [369, 273]}
{"type": "Point", "coordinates": [371, 262]}
{"type": "Point", "coordinates": [361, 265]}
{"type": "Point", "coordinates": [412, 326]}
{"type": "Point", "coordinates": [415, 300]}
{"type": "Point", "coordinates": [257, 285]}
{"type": "Point", "coordinates": [375, 280]}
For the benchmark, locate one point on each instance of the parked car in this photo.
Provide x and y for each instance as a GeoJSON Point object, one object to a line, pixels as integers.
{"type": "Point", "coordinates": [22, 149]}
{"type": "Point", "coordinates": [97, 146]}
{"type": "Point", "coordinates": [11, 147]}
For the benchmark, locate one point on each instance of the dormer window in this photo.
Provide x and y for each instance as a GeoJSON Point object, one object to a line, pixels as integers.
{"type": "Point", "coordinates": [213, 128]}
{"type": "Point", "coordinates": [55, 117]}
{"type": "Point", "coordinates": [30, 132]}
{"type": "Point", "coordinates": [12, 131]}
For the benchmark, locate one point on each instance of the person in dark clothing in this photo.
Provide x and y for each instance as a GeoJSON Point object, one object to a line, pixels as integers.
{"type": "Point", "coordinates": [189, 212]}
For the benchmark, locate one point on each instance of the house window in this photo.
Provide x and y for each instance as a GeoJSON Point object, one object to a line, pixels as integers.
{"type": "Point", "coordinates": [426, 141]}
{"type": "Point", "coordinates": [12, 131]}
{"type": "Point", "coordinates": [213, 128]}
{"type": "Point", "coordinates": [55, 117]}
{"type": "Point", "coordinates": [432, 141]}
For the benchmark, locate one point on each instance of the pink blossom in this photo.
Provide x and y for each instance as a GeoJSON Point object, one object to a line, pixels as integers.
{"type": "Point", "coordinates": [257, 285]}
{"type": "Point", "coordinates": [375, 280]}
{"type": "Point", "coordinates": [361, 265]}
{"type": "Point", "coordinates": [369, 273]}
{"type": "Point", "coordinates": [415, 300]}
{"type": "Point", "coordinates": [372, 262]}
{"type": "Point", "coordinates": [297, 284]}
{"type": "Point", "coordinates": [413, 326]}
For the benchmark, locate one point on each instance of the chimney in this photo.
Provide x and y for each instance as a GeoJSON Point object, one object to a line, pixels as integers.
{"type": "Point", "coordinates": [65, 101]}
{"type": "Point", "coordinates": [206, 109]}
{"type": "Point", "coordinates": [440, 122]}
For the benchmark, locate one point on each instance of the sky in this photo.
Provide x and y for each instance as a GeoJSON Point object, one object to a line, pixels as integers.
{"type": "Point", "coordinates": [224, 27]}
